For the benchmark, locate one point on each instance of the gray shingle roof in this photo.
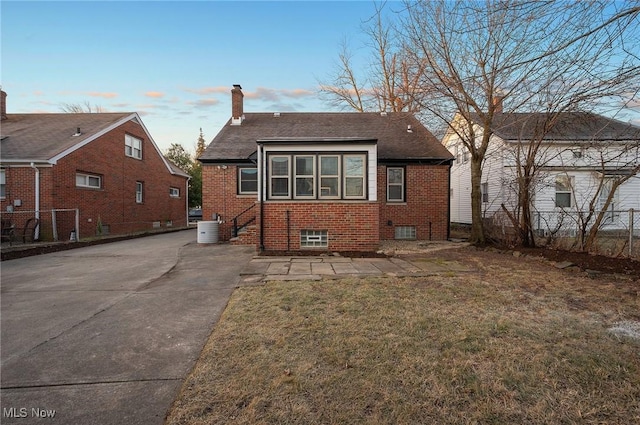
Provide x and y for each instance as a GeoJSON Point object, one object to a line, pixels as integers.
{"type": "Point", "coordinates": [40, 137]}
{"type": "Point", "coordinates": [238, 142]}
{"type": "Point", "coordinates": [569, 126]}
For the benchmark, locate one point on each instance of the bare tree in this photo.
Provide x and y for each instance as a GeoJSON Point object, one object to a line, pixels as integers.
{"type": "Point", "coordinates": [81, 108]}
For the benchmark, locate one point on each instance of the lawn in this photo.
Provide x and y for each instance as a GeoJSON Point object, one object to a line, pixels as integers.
{"type": "Point", "coordinates": [515, 341]}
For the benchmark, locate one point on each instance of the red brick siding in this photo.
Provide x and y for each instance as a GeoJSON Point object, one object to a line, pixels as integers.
{"type": "Point", "coordinates": [350, 226]}
{"type": "Point", "coordinates": [219, 196]}
{"type": "Point", "coordinates": [426, 206]}
{"type": "Point", "coordinates": [114, 204]}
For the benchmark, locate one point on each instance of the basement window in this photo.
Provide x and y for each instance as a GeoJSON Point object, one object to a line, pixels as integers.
{"type": "Point", "coordinates": [405, 232]}
{"type": "Point", "coordinates": [314, 239]}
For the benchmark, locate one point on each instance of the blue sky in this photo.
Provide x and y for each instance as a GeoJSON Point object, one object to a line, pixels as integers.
{"type": "Point", "coordinates": [174, 62]}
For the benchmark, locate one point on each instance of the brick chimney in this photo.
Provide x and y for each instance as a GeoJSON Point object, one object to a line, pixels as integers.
{"type": "Point", "coordinates": [3, 107]}
{"type": "Point", "coordinates": [498, 99]}
{"type": "Point", "coordinates": [237, 112]}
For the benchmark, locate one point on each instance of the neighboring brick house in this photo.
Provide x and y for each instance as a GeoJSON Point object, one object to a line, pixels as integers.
{"type": "Point", "coordinates": [326, 181]}
{"type": "Point", "coordinates": [106, 165]}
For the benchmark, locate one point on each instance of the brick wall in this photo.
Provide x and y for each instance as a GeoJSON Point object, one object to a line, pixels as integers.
{"type": "Point", "coordinates": [426, 206]}
{"type": "Point", "coordinates": [219, 196]}
{"type": "Point", "coordinates": [351, 226]}
{"type": "Point", "coordinates": [115, 203]}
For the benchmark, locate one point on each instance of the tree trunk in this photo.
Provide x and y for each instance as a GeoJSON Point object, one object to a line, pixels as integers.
{"type": "Point", "coordinates": [477, 226]}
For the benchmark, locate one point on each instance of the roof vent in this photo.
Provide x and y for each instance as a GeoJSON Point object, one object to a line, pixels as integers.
{"type": "Point", "coordinates": [409, 129]}
{"type": "Point", "coordinates": [383, 113]}
{"type": "Point", "coordinates": [78, 133]}
{"type": "Point", "coordinates": [276, 114]}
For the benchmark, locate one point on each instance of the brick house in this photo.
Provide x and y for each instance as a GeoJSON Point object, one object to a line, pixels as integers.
{"type": "Point", "coordinates": [326, 181]}
{"type": "Point", "coordinates": [106, 165]}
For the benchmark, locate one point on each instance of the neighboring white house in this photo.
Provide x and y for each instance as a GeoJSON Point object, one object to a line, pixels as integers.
{"type": "Point", "coordinates": [577, 153]}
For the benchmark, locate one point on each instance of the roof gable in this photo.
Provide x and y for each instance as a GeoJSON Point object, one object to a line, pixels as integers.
{"type": "Point", "coordinates": [395, 142]}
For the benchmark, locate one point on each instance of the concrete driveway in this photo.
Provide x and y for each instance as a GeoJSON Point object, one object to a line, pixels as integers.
{"type": "Point", "coordinates": [106, 334]}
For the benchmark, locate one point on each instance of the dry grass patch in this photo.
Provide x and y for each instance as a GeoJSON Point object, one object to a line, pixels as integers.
{"type": "Point", "coordinates": [513, 343]}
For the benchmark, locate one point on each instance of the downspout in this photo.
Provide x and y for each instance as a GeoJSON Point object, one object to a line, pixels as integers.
{"type": "Point", "coordinates": [186, 190]}
{"type": "Point", "coordinates": [449, 203]}
{"type": "Point", "coordinates": [261, 193]}
{"type": "Point", "coordinates": [37, 201]}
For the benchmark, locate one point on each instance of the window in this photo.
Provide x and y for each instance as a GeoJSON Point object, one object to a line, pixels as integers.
{"type": "Point", "coordinates": [247, 180]}
{"type": "Point", "coordinates": [88, 180]}
{"type": "Point", "coordinates": [563, 191]}
{"type": "Point", "coordinates": [405, 232]}
{"type": "Point", "coordinates": [3, 184]}
{"type": "Point", "coordinates": [484, 189]}
{"type": "Point", "coordinates": [314, 176]}
{"type": "Point", "coordinates": [139, 192]}
{"type": "Point", "coordinates": [314, 239]}
{"type": "Point", "coordinates": [132, 146]}
{"type": "Point", "coordinates": [304, 176]}
{"type": "Point", "coordinates": [354, 176]}
{"type": "Point", "coordinates": [279, 171]}
{"type": "Point", "coordinates": [174, 192]}
{"type": "Point", "coordinates": [395, 184]}
{"type": "Point", "coordinates": [611, 215]}
{"type": "Point", "coordinates": [329, 176]}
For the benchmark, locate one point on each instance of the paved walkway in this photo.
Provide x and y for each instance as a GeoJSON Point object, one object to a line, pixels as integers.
{"type": "Point", "coordinates": [260, 269]}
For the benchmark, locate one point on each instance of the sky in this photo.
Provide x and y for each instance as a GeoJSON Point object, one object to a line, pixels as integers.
{"type": "Point", "coordinates": [174, 62]}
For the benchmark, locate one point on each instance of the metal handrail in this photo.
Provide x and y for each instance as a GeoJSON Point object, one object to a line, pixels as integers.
{"type": "Point", "coordinates": [235, 221]}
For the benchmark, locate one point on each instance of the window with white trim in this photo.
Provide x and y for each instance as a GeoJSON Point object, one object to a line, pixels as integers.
{"type": "Point", "coordinates": [329, 176]}
{"type": "Point", "coordinates": [88, 180]}
{"type": "Point", "coordinates": [354, 176]}
{"type": "Point", "coordinates": [611, 215]}
{"type": "Point", "coordinates": [132, 146]}
{"type": "Point", "coordinates": [279, 175]}
{"type": "Point", "coordinates": [174, 192]}
{"type": "Point", "coordinates": [247, 180]}
{"type": "Point", "coordinates": [139, 192]}
{"type": "Point", "coordinates": [3, 184]}
{"type": "Point", "coordinates": [395, 184]}
{"type": "Point", "coordinates": [405, 232]}
{"type": "Point", "coordinates": [564, 185]}
{"type": "Point", "coordinates": [314, 239]}
{"type": "Point", "coordinates": [484, 190]}
{"type": "Point", "coordinates": [304, 176]}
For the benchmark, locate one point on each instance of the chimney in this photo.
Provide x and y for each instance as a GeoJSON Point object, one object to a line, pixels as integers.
{"type": "Point", "coordinates": [498, 98]}
{"type": "Point", "coordinates": [3, 108]}
{"type": "Point", "coordinates": [237, 113]}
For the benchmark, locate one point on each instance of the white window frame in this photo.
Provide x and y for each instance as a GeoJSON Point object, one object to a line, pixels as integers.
{"type": "Point", "coordinates": [3, 184]}
{"type": "Point", "coordinates": [567, 182]}
{"type": "Point", "coordinates": [611, 215]}
{"type": "Point", "coordinates": [297, 176]}
{"type": "Point", "coordinates": [310, 239]}
{"type": "Point", "coordinates": [394, 184]}
{"type": "Point", "coordinates": [362, 177]}
{"type": "Point", "coordinates": [84, 180]}
{"type": "Point", "coordinates": [139, 192]}
{"type": "Point", "coordinates": [336, 177]}
{"type": "Point", "coordinates": [132, 146]}
{"type": "Point", "coordinates": [174, 192]}
{"type": "Point", "coordinates": [241, 180]}
{"type": "Point", "coordinates": [287, 176]}
{"type": "Point", "coordinates": [484, 191]}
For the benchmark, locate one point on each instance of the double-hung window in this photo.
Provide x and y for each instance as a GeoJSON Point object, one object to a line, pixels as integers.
{"type": "Point", "coordinates": [132, 146]}
{"type": "Point", "coordinates": [564, 185]}
{"type": "Point", "coordinates": [88, 180]}
{"type": "Point", "coordinates": [3, 184]}
{"type": "Point", "coordinates": [395, 184]}
{"type": "Point", "coordinates": [279, 172]}
{"type": "Point", "coordinates": [610, 215]}
{"type": "Point", "coordinates": [304, 172]}
{"type": "Point", "coordinates": [354, 176]}
{"type": "Point", "coordinates": [329, 176]}
{"type": "Point", "coordinates": [247, 180]}
{"type": "Point", "coordinates": [139, 192]}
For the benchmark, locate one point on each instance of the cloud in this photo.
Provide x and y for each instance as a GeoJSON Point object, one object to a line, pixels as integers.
{"type": "Point", "coordinates": [204, 91]}
{"type": "Point", "coordinates": [154, 94]}
{"type": "Point", "coordinates": [275, 95]}
{"type": "Point", "coordinates": [106, 95]}
{"type": "Point", "coordinates": [204, 102]}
